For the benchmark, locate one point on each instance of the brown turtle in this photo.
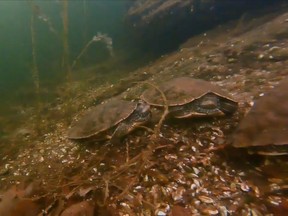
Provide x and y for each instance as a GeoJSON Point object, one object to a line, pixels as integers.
{"type": "Point", "coordinates": [188, 97]}
{"type": "Point", "coordinates": [111, 120]}
{"type": "Point", "coordinates": [265, 128]}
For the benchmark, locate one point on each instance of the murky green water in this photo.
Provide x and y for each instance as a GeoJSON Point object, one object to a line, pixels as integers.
{"type": "Point", "coordinates": [86, 19]}
{"type": "Point", "coordinates": [56, 62]}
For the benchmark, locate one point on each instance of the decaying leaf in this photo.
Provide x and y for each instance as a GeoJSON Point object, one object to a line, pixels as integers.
{"type": "Point", "coordinates": [79, 209]}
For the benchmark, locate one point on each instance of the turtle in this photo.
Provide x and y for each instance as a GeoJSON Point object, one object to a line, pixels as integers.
{"type": "Point", "coordinates": [265, 127]}
{"type": "Point", "coordinates": [189, 97]}
{"type": "Point", "coordinates": [110, 120]}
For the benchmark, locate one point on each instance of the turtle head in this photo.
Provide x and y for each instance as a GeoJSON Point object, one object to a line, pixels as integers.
{"type": "Point", "coordinates": [142, 112]}
{"type": "Point", "coordinates": [140, 116]}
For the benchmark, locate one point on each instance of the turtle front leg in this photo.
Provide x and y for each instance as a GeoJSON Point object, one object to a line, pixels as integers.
{"type": "Point", "coordinates": [122, 129]}
{"type": "Point", "coordinates": [140, 116]}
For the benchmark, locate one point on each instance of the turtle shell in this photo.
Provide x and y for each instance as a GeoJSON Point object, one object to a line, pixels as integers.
{"type": "Point", "coordinates": [99, 119]}
{"type": "Point", "coordinates": [182, 90]}
{"type": "Point", "coordinates": [266, 124]}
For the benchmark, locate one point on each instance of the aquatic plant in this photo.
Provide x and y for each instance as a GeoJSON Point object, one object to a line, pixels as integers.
{"type": "Point", "coordinates": [99, 37]}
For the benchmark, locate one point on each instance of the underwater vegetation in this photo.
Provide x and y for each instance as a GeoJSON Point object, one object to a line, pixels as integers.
{"type": "Point", "coordinates": [98, 37]}
{"type": "Point", "coordinates": [64, 37]}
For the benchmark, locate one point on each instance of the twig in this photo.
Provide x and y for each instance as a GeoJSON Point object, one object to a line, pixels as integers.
{"type": "Point", "coordinates": [35, 71]}
{"type": "Point", "coordinates": [146, 128]}
{"type": "Point", "coordinates": [106, 194]}
{"type": "Point", "coordinates": [49, 208]}
{"type": "Point", "coordinates": [166, 110]}
{"type": "Point", "coordinates": [127, 151]}
{"type": "Point", "coordinates": [144, 201]}
{"type": "Point", "coordinates": [66, 52]}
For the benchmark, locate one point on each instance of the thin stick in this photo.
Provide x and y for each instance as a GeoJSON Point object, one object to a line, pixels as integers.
{"type": "Point", "coordinates": [144, 201]}
{"type": "Point", "coordinates": [127, 151]}
{"type": "Point", "coordinates": [166, 109]}
{"type": "Point", "coordinates": [35, 71]}
{"type": "Point", "coordinates": [85, 20]}
{"type": "Point", "coordinates": [106, 193]}
{"type": "Point", "coordinates": [65, 57]}
{"type": "Point", "coordinates": [145, 128]}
